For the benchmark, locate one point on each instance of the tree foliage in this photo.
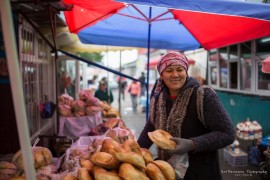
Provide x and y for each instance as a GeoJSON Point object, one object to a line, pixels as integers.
{"type": "Point", "coordinates": [93, 57]}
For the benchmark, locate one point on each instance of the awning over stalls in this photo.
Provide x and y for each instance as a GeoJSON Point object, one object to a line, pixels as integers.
{"type": "Point", "coordinates": [70, 42]}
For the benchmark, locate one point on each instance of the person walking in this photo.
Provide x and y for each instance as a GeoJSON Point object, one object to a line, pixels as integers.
{"type": "Point", "coordinates": [122, 84]}
{"type": "Point", "coordinates": [142, 80]}
{"type": "Point", "coordinates": [134, 90]}
{"type": "Point", "coordinates": [192, 114]}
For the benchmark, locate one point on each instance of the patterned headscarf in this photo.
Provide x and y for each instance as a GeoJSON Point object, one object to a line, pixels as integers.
{"type": "Point", "coordinates": [172, 58]}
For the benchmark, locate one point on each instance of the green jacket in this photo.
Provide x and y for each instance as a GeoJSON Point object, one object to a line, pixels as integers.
{"type": "Point", "coordinates": [103, 96]}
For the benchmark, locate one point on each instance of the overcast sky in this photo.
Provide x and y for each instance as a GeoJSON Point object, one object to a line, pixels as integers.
{"type": "Point", "coordinates": [112, 58]}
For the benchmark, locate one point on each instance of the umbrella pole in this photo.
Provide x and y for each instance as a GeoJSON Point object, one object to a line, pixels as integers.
{"type": "Point", "coordinates": [16, 87]}
{"type": "Point", "coordinates": [148, 61]}
{"type": "Point", "coordinates": [77, 79]}
{"type": "Point", "coordinates": [120, 85]}
{"type": "Point", "coordinates": [107, 82]}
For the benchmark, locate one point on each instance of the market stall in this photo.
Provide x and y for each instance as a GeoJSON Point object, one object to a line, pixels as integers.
{"type": "Point", "coordinates": [74, 127]}
{"type": "Point", "coordinates": [114, 153]}
{"type": "Point", "coordinates": [242, 151]}
{"type": "Point", "coordinates": [79, 116]}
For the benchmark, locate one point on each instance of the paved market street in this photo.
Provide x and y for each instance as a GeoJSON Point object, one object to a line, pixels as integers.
{"type": "Point", "coordinates": [137, 120]}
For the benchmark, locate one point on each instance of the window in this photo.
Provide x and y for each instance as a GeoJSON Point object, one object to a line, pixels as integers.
{"type": "Point", "coordinates": [233, 66]}
{"type": "Point", "coordinates": [214, 75]}
{"type": "Point", "coordinates": [237, 68]}
{"type": "Point", "coordinates": [233, 75]}
{"type": "Point", "coordinates": [42, 49]}
{"type": "Point", "coordinates": [262, 46]}
{"type": "Point", "coordinates": [213, 68]}
{"type": "Point", "coordinates": [36, 75]}
{"type": "Point", "coordinates": [27, 41]}
{"type": "Point", "coordinates": [245, 66]}
{"type": "Point", "coordinates": [223, 64]}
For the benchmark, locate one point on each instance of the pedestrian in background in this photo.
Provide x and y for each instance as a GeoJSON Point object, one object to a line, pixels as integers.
{"type": "Point", "coordinates": [134, 90]}
{"type": "Point", "coordinates": [122, 84]}
{"type": "Point", "coordinates": [142, 80]}
{"type": "Point", "coordinates": [102, 93]}
{"type": "Point", "coordinates": [192, 114]}
{"type": "Point", "coordinates": [92, 81]}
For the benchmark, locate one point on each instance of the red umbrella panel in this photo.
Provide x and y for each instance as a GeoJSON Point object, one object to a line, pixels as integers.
{"type": "Point", "coordinates": [182, 25]}
{"type": "Point", "coordinates": [218, 23]}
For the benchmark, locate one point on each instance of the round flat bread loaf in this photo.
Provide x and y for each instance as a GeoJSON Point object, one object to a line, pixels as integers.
{"type": "Point", "coordinates": [129, 157]}
{"type": "Point", "coordinates": [104, 160]}
{"type": "Point", "coordinates": [166, 169]}
{"type": "Point", "coordinates": [147, 155]}
{"type": "Point", "coordinates": [128, 171]}
{"type": "Point", "coordinates": [162, 139]}
{"type": "Point", "coordinates": [111, 123]}
{"type": "Point", "coordinates": [101, 174]}
{"type": "Point", "coordinates": [154, 172]}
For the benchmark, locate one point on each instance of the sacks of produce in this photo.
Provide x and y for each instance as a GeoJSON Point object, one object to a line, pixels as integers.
{"type": "Point", "coordinates": [87, 104]}
{"type": "Point", "coordinates": [42, 157]}
{"type": "Point", "coordinates": [7, 170]}
{"type": "Point", "coordinates": [65, 99]}
{"type": "Point", "coordinates": [78, 108]}
{"type": "Point", "coordinates": [85, 95]}
{"type": "Point", "coordinates": [64, 110]}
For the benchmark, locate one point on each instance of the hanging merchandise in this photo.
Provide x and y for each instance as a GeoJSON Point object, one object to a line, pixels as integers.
{"type": "Point", "coordinates": [46, 108]}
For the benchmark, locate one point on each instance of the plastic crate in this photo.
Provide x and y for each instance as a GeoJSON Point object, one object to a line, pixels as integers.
{"type": "Point", "coordinates": [235, 160]}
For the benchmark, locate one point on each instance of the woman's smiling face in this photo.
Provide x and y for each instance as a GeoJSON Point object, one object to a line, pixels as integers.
{"type": "Point", "coordinates": [174, 77]}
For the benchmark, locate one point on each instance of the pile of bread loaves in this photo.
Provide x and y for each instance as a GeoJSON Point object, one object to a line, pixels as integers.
{"type": "Point", "coordinates": [109, 159]}
{"type": "Point", "coordinates": [108, 111]}
{"type": "Point", "coordinates": [103, 158]}
{"type": "Point", "coordinates": [15, 170]}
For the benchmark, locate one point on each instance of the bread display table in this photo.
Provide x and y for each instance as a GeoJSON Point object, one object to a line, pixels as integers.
{"type": "Point", "coordinates": [75, 127]}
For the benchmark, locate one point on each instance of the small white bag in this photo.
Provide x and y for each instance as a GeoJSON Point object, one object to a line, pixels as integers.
{"type": "Point", "coordinates": [180, 164]}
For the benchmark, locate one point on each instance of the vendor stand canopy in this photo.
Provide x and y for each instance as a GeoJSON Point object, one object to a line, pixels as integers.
{"type": "Point", "coordinates": [181, 25]}
{"type": "Point", "coordinates": [161, 24]}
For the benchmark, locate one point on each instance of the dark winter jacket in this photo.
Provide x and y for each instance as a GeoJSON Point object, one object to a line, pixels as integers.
{"type": "Point", "coordinates": [103, 96]}
{"type": "Point", "coordinates": [180, 119]}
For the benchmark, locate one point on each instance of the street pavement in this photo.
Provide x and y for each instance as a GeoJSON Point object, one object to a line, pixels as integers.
{"type": "Point", "coordinates": [133, 120]}
{"type": "Point", "coordinates": [136, 121]}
